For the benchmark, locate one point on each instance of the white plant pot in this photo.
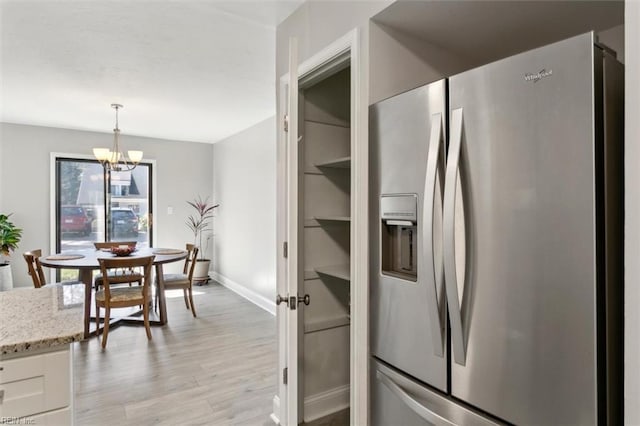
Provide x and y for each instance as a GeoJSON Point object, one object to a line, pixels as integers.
{"type": "Point", "coordinates": [201, 271]}
{"type": "Point", "coordinates": [6, 279]}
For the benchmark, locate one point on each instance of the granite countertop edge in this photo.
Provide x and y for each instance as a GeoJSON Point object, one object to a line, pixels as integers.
{"type": "Point", "coordinates": [51, 342]}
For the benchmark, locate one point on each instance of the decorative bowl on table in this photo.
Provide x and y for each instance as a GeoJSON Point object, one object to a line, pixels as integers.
{"type": "Point", "coordinates": [122, 251]}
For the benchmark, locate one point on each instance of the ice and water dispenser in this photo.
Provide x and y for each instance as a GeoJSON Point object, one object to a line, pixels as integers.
{"type": "Point", "coordinates": [399, 213]}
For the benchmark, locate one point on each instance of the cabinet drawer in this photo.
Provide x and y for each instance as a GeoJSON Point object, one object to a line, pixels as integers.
{"type": "Point", "coordinates": [35, 383]}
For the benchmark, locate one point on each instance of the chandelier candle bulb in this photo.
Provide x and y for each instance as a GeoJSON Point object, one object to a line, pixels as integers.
{"type": "Point", "coordinates": [101, 154]}
{"type": "Point", "coordinates": [135, 156]}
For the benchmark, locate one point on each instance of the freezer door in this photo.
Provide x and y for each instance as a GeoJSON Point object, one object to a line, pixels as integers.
{"type": "Point", "coordinates": [523, 298]}
{"type": "Point", "coordinates": [398, 400]}
{"type": "Point", "coordinates": [407, 134]}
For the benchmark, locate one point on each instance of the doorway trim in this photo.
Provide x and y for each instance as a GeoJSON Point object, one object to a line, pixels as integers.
{"type": "Point", "coordinates": [316, 66]}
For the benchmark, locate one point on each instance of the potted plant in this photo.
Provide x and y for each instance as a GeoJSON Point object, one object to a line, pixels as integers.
{"type": "Point", "coordinates": [9, 238]}
{"type": "Point", "coordinates": [200, 224]}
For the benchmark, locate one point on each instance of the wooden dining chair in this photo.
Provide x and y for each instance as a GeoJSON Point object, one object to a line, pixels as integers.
{"type": "Point", "coordinates": [124, 276]}
{"type": "Point", "coordinates": [108, 244]}
{"type": "Point", "coordinates": [121, 297]}
{"type": "Point", "coordinates": [35, 268]}
{"type": "Point", "coordinates": [182, 281]}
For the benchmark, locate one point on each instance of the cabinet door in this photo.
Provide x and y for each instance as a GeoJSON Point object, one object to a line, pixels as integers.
{"type": "Point", "coordinates": [35, 384]}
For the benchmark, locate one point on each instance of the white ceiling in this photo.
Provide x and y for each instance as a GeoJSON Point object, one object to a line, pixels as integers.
{"type": "Point", "coordinates": [184, 70]}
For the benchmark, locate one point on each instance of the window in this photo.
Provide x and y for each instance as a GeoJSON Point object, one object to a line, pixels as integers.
{"type": "Point", "coordinates": [80, 209]}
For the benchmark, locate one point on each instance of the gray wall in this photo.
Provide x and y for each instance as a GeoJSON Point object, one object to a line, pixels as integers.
{"type": "Point", "coordinates": [400, 62]}
{"type": "Point", "coordinates": [1, 179]}
{"type": "Point", "coordinates": [317, 24]}
{"type": "Point", "coordinates": [632, 225]}
{"type": "Point", "coordinates": [614, 38]}
{"type": "Point", "coordinates": [244, 181]}
{"type": "Point", "coordinates": [183, 170]}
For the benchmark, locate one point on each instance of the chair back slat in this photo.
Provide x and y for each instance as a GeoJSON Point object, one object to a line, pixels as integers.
{"type": "Point", "coordinates": [190, 261]}
{"type": "Point", "coordinates": [103, 245]}
{"type": "Point", "coordinates": [35, 267]}
{"type": "Point", "coordinates": [194, 259]}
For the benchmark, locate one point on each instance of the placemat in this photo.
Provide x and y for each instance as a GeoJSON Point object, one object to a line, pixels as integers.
{"type": "Point", "coordinates": [65, 256]}
{"type": "Point", "coordinates": [168, 251]}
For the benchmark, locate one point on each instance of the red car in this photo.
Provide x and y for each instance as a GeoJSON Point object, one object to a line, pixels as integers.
{"type": "Point", "coordinates": [74, 219]}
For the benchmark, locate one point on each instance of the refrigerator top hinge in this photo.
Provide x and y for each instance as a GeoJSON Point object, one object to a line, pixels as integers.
{"type": "Point", "coordinates": [286, 122]}
{"type": "Point", "coordinates": [285, 249]}
{"type": "Point", "coordinates": [285, 375]}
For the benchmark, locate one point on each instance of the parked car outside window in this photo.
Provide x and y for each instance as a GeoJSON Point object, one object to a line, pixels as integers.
{"type": "Point", "coordinates": [74, 219]}
{"type": "Point", "coordinates": [124, 222]}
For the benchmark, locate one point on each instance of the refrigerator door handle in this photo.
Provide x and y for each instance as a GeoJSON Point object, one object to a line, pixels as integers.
{"type": "Point", "coordinates": [411, 402]}
{"type": "Point", "coordinates": [449, 226]}
{"type": "Point", "coordinates": [431, 272]}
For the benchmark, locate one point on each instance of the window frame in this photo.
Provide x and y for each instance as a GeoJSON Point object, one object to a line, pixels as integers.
{"type": "Point", "coordinates": [53, 196]}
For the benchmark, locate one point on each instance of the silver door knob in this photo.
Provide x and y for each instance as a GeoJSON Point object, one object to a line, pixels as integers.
{"type": "Point", "coordinates": [291, 301]}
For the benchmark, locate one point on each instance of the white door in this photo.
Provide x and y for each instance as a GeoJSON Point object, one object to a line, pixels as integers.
{"type": "Point", "coordinates": [288, 407]}
{"type": "Point", "coordinates": [287, 299]}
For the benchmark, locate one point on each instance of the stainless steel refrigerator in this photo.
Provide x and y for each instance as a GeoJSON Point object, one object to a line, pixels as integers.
{"type": "Point", "coordinates": [496, 243]}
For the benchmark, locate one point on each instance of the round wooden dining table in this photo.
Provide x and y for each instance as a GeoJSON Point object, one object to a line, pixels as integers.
{"type": "Point", "coordinates": [86, 261]}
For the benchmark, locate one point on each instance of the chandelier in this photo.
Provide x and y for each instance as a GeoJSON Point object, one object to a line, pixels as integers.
{"type": "Point", "coordinates": [114, 158]}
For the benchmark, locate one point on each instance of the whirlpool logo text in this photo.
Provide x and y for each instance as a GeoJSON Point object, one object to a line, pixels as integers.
{"type": "Point", "coordinates": [538, 76]}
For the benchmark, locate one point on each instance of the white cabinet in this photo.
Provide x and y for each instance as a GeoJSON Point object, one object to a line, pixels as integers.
{"type": "Point", "coordinates": [38, 386]}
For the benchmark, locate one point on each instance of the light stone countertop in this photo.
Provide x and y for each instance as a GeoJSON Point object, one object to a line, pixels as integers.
{"type": "Point", "coordinates": [41, 318]}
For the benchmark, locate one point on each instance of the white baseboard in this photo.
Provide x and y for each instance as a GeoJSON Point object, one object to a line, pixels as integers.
{"type": "Point", "coordinates": [325, 403]}
{"type": "Point", "coordinates": [250, 295]}
{"type": "Point", "coordinates": [276, 410]}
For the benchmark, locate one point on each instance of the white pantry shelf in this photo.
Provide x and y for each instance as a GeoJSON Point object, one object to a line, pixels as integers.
{"type": "Point", "coordinates": [338, 163]}
{"type": "Point", "coordinates": [345, 219]}
{"type": "Point", "coordinates": [336, 271]}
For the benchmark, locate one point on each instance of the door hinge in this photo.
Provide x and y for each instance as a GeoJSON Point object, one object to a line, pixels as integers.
{"type": "Point", "coordinates": [285, 249]}
{"type": "Point", "coordinates": [286, 122]}
{"type": "Point", "coordinates": [285, 375]}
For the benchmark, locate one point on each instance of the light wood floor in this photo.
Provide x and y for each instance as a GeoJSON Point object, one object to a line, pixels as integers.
{"type": "Point", "coordinates": [217, 369]}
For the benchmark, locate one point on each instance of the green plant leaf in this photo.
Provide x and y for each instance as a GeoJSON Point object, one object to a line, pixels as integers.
{"type": "Point", "coordinates": [10, 235]}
